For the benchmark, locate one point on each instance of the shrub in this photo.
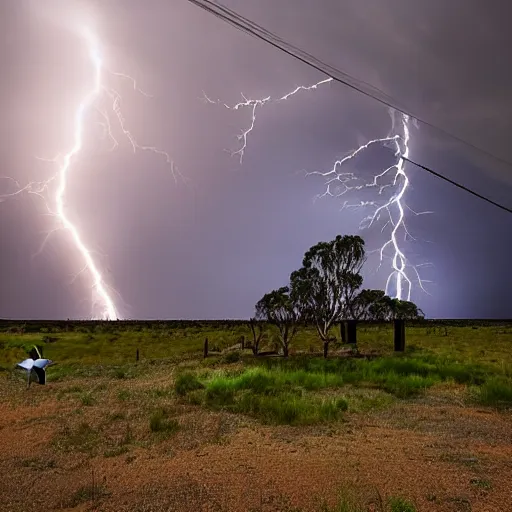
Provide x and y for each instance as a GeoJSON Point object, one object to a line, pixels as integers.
{"type": "Point", "coordinates": [187, 382]}
{"type": "Point", "coordinates": [160, 423]}
{"type": "Point", "coordinates": [406, 386]}
{"type": "Point", "coordinates": [120, 373]}
{"type": "Point", "coordinates": [401, 505]}
{"type": "Point", "coordinates": [497, 391]}
{"type": "Point", "coordinates": [462, 373]}
{"type": "Point", "coordinates": [123, 395]}
{"type": "Point", "coordinates": [87, 399]}
{"type": "Point", "coordinates": [286, 409]}
{"type": "Point", "coordinates": [220, 393]}
{"type": "Point", "coordinates": [232, 357]}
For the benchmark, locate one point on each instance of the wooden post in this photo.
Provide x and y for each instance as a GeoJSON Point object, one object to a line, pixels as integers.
{"type": "Point", "coordinates": [343, 332]}
{"type": "Point", "coordinates": [352, 331]}
{"type": "Point", "coordinates": [242, 342]}
{"type": "Point", "coordinates": [205, 348]}
{"type": "Point", "coordinates": [399, 335]}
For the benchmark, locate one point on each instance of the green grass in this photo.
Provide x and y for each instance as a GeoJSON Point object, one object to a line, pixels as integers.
{"type": "Point", "coordinates": [123, 395]}
{"type": "Point", "coordinates": [187, 382]}
{"type": "Point", "coordinates": [485, 485]}
{"type": "Point", "coordinates": [293, 391]}
{"type": "Point", "coordinates": [350, 501]}
{"type": "Point", "coordinates": [87, 399]}
{"type": "Point", "coordinates": [271, 396]}
{"type": "Point", "coordinates": [400, 505]}
{"type": "Point", "coordinates": [99, 344]}
{"type": "Point", "coordinates": [82, 344]}
{"type": "Point", "coordinates": [402, 376]}
{"type": "Point", "coordinates": [159, 422]}
{"type": "Point", "coordinates": [231, 357]}
{"type": "Point", "coordinates": [497, 391]}
{"type": "Point", "coordinates": [476, 356]}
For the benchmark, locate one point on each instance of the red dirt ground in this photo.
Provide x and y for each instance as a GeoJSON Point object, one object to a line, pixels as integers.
{"type": "Point", "coordinates": [443, 457]}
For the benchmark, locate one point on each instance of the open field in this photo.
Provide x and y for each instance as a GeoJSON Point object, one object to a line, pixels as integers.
{"type": "Point", "coordinates": [428, 430]}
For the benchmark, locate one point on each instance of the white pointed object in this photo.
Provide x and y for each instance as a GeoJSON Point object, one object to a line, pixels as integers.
{"type": "Point", "coordinates": [37, 367]}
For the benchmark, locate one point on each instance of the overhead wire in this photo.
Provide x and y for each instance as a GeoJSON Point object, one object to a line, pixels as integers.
{"type": "Point", "coordinates": [458, 185]}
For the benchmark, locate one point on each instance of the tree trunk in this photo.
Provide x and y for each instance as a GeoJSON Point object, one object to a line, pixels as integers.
{"type": "Point", "coordinates": [285, 349]}
{"type": "Point", "coordinates": [326, 349]}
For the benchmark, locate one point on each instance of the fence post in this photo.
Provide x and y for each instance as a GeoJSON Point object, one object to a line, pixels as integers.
{"type": "Point", "coordinates": [205, 348]}
{"type": "Point", "coordinates": [352, 332]}
{"type": "Point", "coordinates": [242, 342]}
{"type": "Point", "coordinates": [399, 326]}
{"type": "Point", "coordinates": [343, 332]}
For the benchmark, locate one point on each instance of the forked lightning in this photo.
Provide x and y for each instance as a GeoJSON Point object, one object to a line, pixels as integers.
{"type": "Point", "coordinates": [252, 105]}
{"type": "Point", "coordinates": [399, 283]}
{"type": "Point", "coordinates": [56, 203]}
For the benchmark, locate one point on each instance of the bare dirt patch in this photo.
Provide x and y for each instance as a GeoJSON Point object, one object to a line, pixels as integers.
{"type": "Point", "coordinates": [70, 453]}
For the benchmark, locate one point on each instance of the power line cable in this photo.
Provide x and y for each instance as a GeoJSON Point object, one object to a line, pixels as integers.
{"type": "Point", "coordinates": [458, 185]}
{"type": "Point", "coordinates": [252, 28]}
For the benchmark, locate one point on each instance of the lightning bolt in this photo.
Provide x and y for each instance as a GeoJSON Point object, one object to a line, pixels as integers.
{"type": "Point", "coordinates": [102, 296]}
{"type": "Point", "coordinates": [252, 105]}
{"type": "Point", "coordinates": [399, 282]}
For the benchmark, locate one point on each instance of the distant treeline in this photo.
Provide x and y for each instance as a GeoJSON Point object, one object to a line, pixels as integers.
{"type": "Point", "coordinates": [141, 325]}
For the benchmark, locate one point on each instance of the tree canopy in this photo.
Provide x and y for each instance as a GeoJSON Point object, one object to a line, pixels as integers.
{"type": "Point", "coordinates": [324, 288]}
{"type": "Point", "coordinates": [376, 305]}
{"type": "Point", "coordinates": [277, 308]}
{"type": "Point", "coordinates": [325, 291]}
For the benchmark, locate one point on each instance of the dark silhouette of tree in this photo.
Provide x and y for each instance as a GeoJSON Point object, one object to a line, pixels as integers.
{"type": "Point", "coordinates": [366, 304]}
{"type": "Point", "coordinates": [376, 305]}
{"type": "Point", "coordinates": [396, 309]}
{"type": "Point", "coordinates": [257, 335]}
{"type": "Point", "coordinates": [324, 288]}
{"type": "Point", "coordinates": [277, 308]}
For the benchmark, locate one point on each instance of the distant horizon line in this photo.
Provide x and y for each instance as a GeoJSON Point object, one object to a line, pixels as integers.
{"type": "Point", "coordinates": [218, 320]}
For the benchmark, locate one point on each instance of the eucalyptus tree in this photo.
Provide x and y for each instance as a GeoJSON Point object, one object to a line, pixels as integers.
{"type": "Point", "coordinates": [277, 308]}
{"type": "Point", "coordinates": [323, 290]}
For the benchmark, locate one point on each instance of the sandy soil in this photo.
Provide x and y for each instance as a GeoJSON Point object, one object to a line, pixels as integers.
{"type": "Point", "coordinates": [442, 455]}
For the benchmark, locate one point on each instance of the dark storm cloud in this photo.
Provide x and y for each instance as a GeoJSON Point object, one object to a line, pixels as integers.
{"type": "Point", "coordinates": [212, 246]}
{"type": "Point", "coordinates": [444, 61]}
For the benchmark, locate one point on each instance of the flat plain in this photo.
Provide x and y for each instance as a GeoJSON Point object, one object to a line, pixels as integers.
{"type": "Point", "coordinates": [365, 430]}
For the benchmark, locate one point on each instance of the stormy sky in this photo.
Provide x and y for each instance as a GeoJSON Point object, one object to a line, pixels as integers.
{"type": "Point", "coordinates": [211, 244]}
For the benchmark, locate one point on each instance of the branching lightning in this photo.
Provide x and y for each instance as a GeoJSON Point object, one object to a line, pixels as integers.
{"type": "Point", "coordinates": [55, 203]}
{"type": "Point", "coordinates": [253, 105]}
{"type": "Point", "coordinates": [399, 282]}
